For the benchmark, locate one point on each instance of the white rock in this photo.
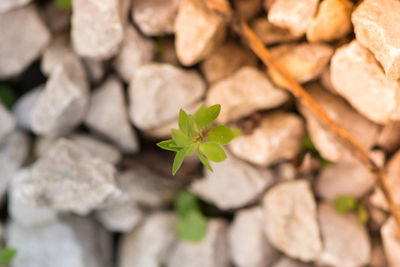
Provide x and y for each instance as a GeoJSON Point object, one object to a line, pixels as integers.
{"type": "Point", "coordinates": [345, 240]}
{"type": "Point", "coordinates": [158, 91]}
{"type": "Point", "coordinates": [244, 92]}
{"type": "Point", "coordinates": [212, 251]}
{"type": "Point", "coordinates": [233, 184]}
{"type": "Point", "coordinates": [7, 122]}
{"type": "Point", "coordinates": [22, 109]}
{"type": "Point", "coordinates": [57, 52]}
{"type": "Point", "coordinates": [108, 115]}
{"type": "Point", "coordinates": [391, 243]}
{"type": "Point", "coordinates": [291, 220]}
{"type": "Point", "coordinates": [198, 31]}
{"type": "Point", "coordinates": [136, 51]}
{"type": "Point", "coordinates": [149, 244]}
{"type": "Point", "coordinates": [22, 40]}
{"type": "Point", "coordinates": [276, 138]}
{"type": "Point", "coordinates": [7, 5]}
{"type": "Point", "coordinates": [248, 244]}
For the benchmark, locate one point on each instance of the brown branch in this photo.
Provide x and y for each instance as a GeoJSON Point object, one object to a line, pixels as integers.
{"type": "Point", "coordinates": [222, 8]}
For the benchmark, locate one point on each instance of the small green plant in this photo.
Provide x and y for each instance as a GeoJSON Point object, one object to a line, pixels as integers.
{"type": "Point", "coordinates": [344, 204]}
{"type": "Point", "coordinates": [191, 224]}
{"type": "Point", "coordinates": [195, 134]}
{"type": "Point", "coordinates": [308, 147]}
{"type": "Point", "coordinates": [63, 4]}
{"type": "Point", "coordinates": [7, 96]}
{"type": "Point", "coordinates": [6, 254]}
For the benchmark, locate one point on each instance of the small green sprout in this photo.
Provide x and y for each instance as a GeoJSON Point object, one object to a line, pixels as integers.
{"type": "Point", "coordinates": [308, 147]}
{"type": "Point", "coordinates": [63, 4]}
{"type": "Point", "coordinates": [7, 96]}
{"type": "Point", "coordinates": [195, 134]}
{"type": "Point", "coordinates": [344, 204]}
{"type": "Point", "coordinates": [6, 254]}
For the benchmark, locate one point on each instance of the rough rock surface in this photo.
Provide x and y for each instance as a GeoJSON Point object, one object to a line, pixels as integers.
{"type": "Point", "coordinates": [291, 220]}
{"type": "Point", "coordinates": [152, 89]}
{"type": "Point", "coordinates": [22, 109]}
{"type": "Point", "coordinates": [198, 31]}
{"type": "Point", "coordinates": [108, 115]}
{"type": "Point", "coordinates": [269, 33]}
{"type": "Point", "coordinates": [354, 70]}
{"type": "Point", "coordinates": [7, 122]}
{"type": "Point", "coordinates": [212, 251]}
{"type": "Point", "coordinates": [7, 5]}
{"type": "Point", "coordinates": [22, 40]}
{"type": "Point", "coordinates": [245, 91]}
{"type": "Point", "coordinates": [391, 244]}
{"type": "Point", "coordinates": [377, 27]}
{"type": "Point", "coordinates": [389, 137]}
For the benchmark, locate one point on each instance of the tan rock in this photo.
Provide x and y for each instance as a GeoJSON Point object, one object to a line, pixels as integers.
{"type": "Point", "coordinates": [269, 33]}
{"type": "Point", "coordinates": [225, 60]}
{"type": "Point", "coordinates": [276, 138]}
{"type": "Point", "coordinates": [326, 80]}
{"type": "Point", "coordinates": [332, 22]}
{"type": "Point", "coordinates": [295, 15]}
{"type": "Point", "coordinates": [358, 77]}
{"type": "Point", "coordinates": [389, 137]}
{"type": "Point", "coordinates": [7, 5]}
{"type": "Point", "coordinates": [378, 258]}
{"type": "Point", "coordinates": [377, 27]}
{"type": "Point", "coordinates": [247, 9]}
{"type": "Point", "coordinates": [198, 31]}
{"type": "Point", "coordinates": [304, 62]}
{"type": "Point", "coordinates": [391, 243]}
{"type": "Point", "coordinates": [288, 262]}
{"type": "Point", "coordinates": [244, 92]}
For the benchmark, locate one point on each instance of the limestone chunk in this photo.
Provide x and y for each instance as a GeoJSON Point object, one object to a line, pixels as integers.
{"type": "Point", "coordinates": [245, 91]}
{"type": "Point", "coordinates": [7, 5]}
{"type": "Point", "coordinates": [58, 51]}
{"type": "Point", "coordinates": [198, 31]}
{"type": "Point", "coordinates": [269, 33]}
{"type": "Point", "coordinates": [7, 122]}
{"type": "Point", "coordinates": [358, 77]}
{"type": "Point", "coordinates": [276, 138]}
{"type": "Point", "coordinates": [391, 244]}
{"type": "Point", "coordinates": [22, 109]}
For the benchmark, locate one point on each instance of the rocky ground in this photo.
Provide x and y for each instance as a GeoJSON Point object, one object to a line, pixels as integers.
{"type": "Point", "coordinates": [83, 184]}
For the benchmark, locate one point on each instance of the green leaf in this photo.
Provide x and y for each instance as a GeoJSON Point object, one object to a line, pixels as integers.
{"type": "Point", "coordinates": [179, 159]}
{"type": "Point", "coordinates": [221, 134]}
{"type": "Point", "coordinates": [180, 138]}
{"type": "Point", "coordinates": [63, 4]}
{"type": "Point", "coordinates": [205, 116]}
{"type": "Point", "coordinates": [169, 145]}
{"type": "Point", "coordinates": [185, 202]}
{"type": "Point", "coordinates": [192, 227]}
{"type": "Point", "coordinates": [7, 96]}
{"type": "Point", "coordinates": [185, 122]}
{"type": "Point", "coordinates": [159, 45]}
{"type": "Point", "coordinates": [362, 214]}
{"type": "Point", "coordinates": [7, 255]}
{"type": "Point", "coordinates": [213, 151]}
{"type": "Point", "coordinates": [204, 160]}
{"type": "Point", "coordinates": [344, 204]}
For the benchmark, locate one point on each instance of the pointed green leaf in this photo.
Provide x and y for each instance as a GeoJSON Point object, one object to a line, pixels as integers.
{"type": "Point", "coordinates": [345, 204]}
{"type": "Point", "coordinates": [180, 138]}
{"type": "Point", "coordinates": [185, 202]}
{"type": "Point", "coordinates": [7, 255]}
{"type": "Point", "coordinates": [192, 227]}
{"type": "Point", "coordinates": [179, 159]}
{"type": "Point", "coordinates": [205, 116]}
{"type": "Point", "coordinates": [213, 151]}
{"type": "Point", "coordinates": [185, 122]}
{"type": "Point", "coordinates": [221, 134]}
{"type": "Point", "coordinates": [168, 145]}
{"type": "Point", "coordinates": [7, 96]}
{"type": "Point", "coordinates": [204, 160]}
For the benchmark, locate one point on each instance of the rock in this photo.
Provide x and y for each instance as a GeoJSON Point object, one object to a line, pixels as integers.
{"type": "Point", "coordinates": [233, 184]}
{"type": "Point", "coordinates": [62, 104]}
{"type": "Point", "coordinates": [97, 27]}
{"type": "Point", "coordinates": [57, 19]}
{"type": "Point", "coordinates": [83, 244]}
{"type": "Point", "coordinates": [391, 244]}
{"type": "Point", "coordinates": [136, 51]}
{"type": "Point", "coordinates": [389, 137]}
{"type": "Point", "coordinates": [363, 130]}
{"type": "Point", "coordinates": [326, 81]}
{"type": "Point", "coordinates": [377, 27]}
{"type": "Point", "coordinates": [332, 22]}
{"type": "Point", "coordinates": [337, 230]}
{"type": "Point", "coordinates": [68, 178]}
{"type": "Point", "coordinates": [135, 249]}
{"type": "Point", "coordinates": [304, 62]}
{"type": "Point", "coordinates": [354, 70]}
{"type": "Point", "coordinates": [247, 9]}
{"type": "Point", "coordinates": [7, 5]}
{"type": "Point", "coordinates": [198, 31]}
{"type": "Point", "coordinates": [225, 60]}
{"type": "Point", "coordinates": [155, 17]}
{"type": "Point", "coordinates": [245, 91]}
{"type": "Point", "coordinates": [295, 15]}
{"type": "Point", "coordinates": [22, 109]}
{"type": "Point", "coordinates": [108, 115]}
{"type": "Point", "coordinates": [288, 262]}
{"type": "Point", "coordinates": [22, 40]}
{"type": "Point", "coordinates": [276, 138]}
{"type": "Point", "coordinates": [212, 251]}
{"type": "Point", "coordinates": [153, 88]}
{"type": "Point", "coordinates": [269, 33]}
{"type": "Point", "coordinates": [291, 220]}
{"type": "Point", "coordinates": [378, 258]}
{"type": "Point", "coordinates": [248, 243]}
{"type": "Point", "coordinates": [58, 51]}
{"type": "Point", "coordinates": [7, 122]}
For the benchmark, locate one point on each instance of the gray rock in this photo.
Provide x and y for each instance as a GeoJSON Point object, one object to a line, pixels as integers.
{"type": "Point", "coordinates": [7, 5]}
{"type": "Point", "coordinates": [212, 251]}
{"type": "Point", "coordinates": [22, 109]}
{"type": "Point", "coordinates": [149, 244]}
{"type": "Point", "coordinates": [291, 220]}
{"type": "Point", "coordinates": [248, 244]}
{"type": "Point", "coordinates": [22, 40]}
{"type": "Point", "coordinates": [108, 115]}
{"type": "Point", "coordinates": [158, 91]}
{"type": "Point", "coordinates": [7, 122]}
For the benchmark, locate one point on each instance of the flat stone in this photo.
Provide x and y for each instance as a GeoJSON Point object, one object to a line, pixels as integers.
{"type": "Point", "coordinates": [233, 184]}
{"type": "Point", "coordinates": [245, 91]}
{"type": "Point", "coordinates": [247, 9]}
{"type": "Point", "coordinates": [337, 230]}
{"type": "Point", "coordinates": [108, 115]}
{"type": "Point", "coordinates": [154, 86]}
{"type": "Point", "coordinates": [295, 15]}
{"type": "Point", "coordinates": [391, 244]}
{"type": "Point", "coordinates": [97, 27]}
{"type": "Point", "coordinates": [276, 138]}
{"type": "Point", "coordinates": [198, 31]}
{"type": "Point", "coordinates": [136, 51]}
{"type": "Point", "coordinates": [389, 137]}
{"type": "Point", "coordinates": [135, 249]}
{"type": "Point", "coordinates": [7, 5]}
{"type": "Point", "coordinates": [7, 122]}
{"type": "Point", "coordinates": [248, 244]}
{"type": "Point", "coordinates": [22, 109]}
{"type": "Point", "coordinates": [269, 33]}
{"type": "Point", "coordinates": [22, 40]}
{"type": "Point", "coordinates": [155, 17]}
{"type": "Point", "coordinates": [225, 60]}
{"type": "Point", "coordinates": [212, 251]}
{"type": "Point", "coordinates": [332, 21]}
{"type": "Point", "coordinates": [290, 216]}
{"type": "Point", "coordinates": [354, 70]}
{"type": "Point", "coordinates": [377, 27]}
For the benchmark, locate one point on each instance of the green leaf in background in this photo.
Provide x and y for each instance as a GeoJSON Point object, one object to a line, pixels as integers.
{"type": "Point", "coordinates": [205, 116]}
{"type": "Point", "coordinates": [7, 96]}
{"type": "Point", "coordinates": [159, 45]}
{"type": "Point", "coordinates": [362, 214]}
{"type": "Point", "coordinates": [7, 255]}
{"type": "Point", "coordinates": [344, 204]}
{"type": "Point", "coordinates": [180, 138]}
{"type": "Point", "coordinates": [168, 145]}
{"type": "Point", "coordinates": [213, 151]}
{"type": "Point", "coordinates": [63, 4]}
{"type": "Point", "coordinates": [192, 226]}
{"type": "Point", "coordinates": [179, 159]}
{"type": "Point", "coordinates": [185, 202]}
{"type": "Point", "coordinates": [221, 134]}
{"type": "Point", "coordinates": [185, 122]}
{"type": "Point", "coordinates": [204, 161]}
